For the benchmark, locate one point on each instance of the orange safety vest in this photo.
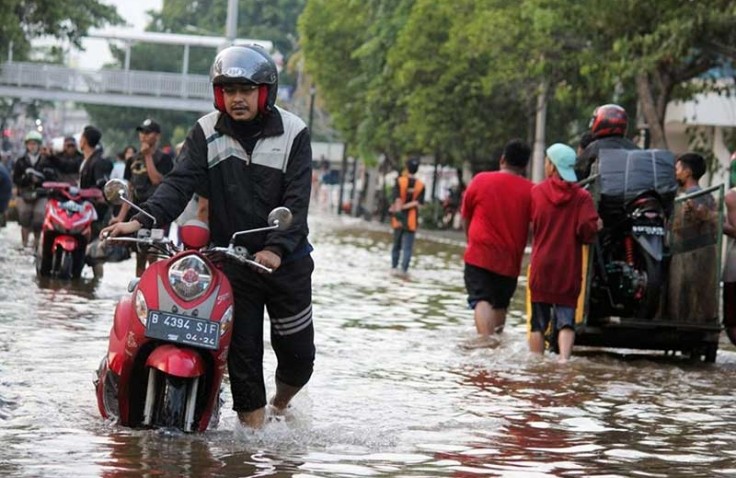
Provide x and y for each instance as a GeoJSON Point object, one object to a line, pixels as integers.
{"type": "Point", "coordinates": [413, 190]}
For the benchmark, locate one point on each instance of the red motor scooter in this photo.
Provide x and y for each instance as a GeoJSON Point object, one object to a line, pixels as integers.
{"type": "Point", "coordinates": [170, 337]}
{"type": "Point", "coordinates": [66, 230]}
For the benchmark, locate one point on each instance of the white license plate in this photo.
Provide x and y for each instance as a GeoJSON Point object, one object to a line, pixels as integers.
{"type": "Point", "coordinates": [182, 329]}
{"type": "Point", "coordinates": [648, 230]}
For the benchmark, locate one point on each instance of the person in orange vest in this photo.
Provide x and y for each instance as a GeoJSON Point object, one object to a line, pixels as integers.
{"type": "Point", "coordinates": [407, 197]}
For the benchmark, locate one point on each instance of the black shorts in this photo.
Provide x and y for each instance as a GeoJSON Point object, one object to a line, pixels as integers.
{"type": "Point", "coordinates": [483, 284]}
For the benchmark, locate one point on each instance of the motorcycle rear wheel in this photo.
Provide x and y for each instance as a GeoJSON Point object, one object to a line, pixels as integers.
{"type": "Point", "coordinates": [649, 305]}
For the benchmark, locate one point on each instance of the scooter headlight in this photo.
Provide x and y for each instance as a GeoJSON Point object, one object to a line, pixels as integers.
{"type": "Point", "coordinates": [226, 321]}
{"type": "Point", "coordinates": [190, 277]}
{"type": "Point", "coordinates": [141, 308]}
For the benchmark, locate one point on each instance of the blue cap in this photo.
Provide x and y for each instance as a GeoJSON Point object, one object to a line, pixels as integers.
{"type": "Point", "coordinates": [563, 157]}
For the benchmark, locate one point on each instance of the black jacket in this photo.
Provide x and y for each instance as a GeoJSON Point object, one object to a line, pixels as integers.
{"type": "Point", "coordinates": [241, 193]}
{"type": "Point", "coordinates": [95, 171]}
{"type": "Point", "coordinates": [588, 157]}
{"type": "Point", "coordinates": [25, 182]}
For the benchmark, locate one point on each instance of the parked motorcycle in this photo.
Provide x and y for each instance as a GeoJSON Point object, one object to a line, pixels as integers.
{"type": "Point", "coordinates": [66, 229]}
{"type": "Point", "coordinates": [170, 337]}
{"type": "Point", "coordinates": [628, 271]}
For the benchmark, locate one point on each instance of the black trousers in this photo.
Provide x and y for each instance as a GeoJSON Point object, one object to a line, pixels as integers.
{"type": "Point", "coordinates": [287, 295]}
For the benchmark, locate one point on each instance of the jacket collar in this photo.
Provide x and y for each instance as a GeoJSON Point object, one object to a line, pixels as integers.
{"type": "Point", "coordinates": [263, 126]}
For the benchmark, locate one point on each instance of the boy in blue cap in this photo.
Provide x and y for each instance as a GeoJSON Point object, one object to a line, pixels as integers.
{"type": "Point", "coordinates": [563, 219]}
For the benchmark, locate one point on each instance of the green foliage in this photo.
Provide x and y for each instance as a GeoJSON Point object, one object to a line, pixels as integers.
{"type": "Point", "coordinates": [23, 20]}
{"type": "Point", "coordinates": [458, 79]}
{"type": "Point", "coordinates": [334, 29]}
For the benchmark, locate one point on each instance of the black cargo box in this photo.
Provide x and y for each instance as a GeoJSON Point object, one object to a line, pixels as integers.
{"type": "Point", "coordinates": [625, 173]}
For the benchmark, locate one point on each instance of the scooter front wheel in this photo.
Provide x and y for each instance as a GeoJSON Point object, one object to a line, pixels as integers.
{"type": "Point", "coordinates": [170, 406]}
{"type": "Point", "coordinates": [65, 265]}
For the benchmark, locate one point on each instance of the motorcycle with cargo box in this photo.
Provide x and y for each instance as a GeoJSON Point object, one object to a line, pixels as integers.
{"type": "Point", "coordinates": [651, 279]}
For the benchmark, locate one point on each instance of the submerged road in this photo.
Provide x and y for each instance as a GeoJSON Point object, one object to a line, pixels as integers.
{"type": "Point", "coordinates": [395, 392]}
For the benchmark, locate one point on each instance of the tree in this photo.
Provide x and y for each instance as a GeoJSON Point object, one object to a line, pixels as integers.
{"type": "Point", "coordinates": [23, 20]}
{"type": "Point", "coordinates": [662, 47]}
{"type": "Point", "coordinates": [331, 31]}
{"type": "Point", "coordinates": [458, 79]}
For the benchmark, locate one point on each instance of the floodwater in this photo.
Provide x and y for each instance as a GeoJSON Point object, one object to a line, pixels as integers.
{"type": "Point", "coordinates": [394, 392]}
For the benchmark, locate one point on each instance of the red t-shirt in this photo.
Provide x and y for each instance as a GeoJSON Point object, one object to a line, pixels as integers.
{"type": "Point", "coordinates": [497, 207]}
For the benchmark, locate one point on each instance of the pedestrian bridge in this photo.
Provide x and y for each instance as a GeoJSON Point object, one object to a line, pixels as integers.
{"type": "Point", "coordinates": [143, 89]}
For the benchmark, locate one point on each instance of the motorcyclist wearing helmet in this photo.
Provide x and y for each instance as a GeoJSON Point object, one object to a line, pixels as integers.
{"type": "Point", "coordinates": [29, 173]}
{"type": "Point", "coordinates": [246, 158]}
{"type": "Point", "coordinates": [608, 126]}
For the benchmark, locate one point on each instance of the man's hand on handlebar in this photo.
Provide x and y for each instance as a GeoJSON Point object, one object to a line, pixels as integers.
{"type": "Point", "coordinates": [120, 229]}
{"type": "Point", "coordinates": [268, 259]}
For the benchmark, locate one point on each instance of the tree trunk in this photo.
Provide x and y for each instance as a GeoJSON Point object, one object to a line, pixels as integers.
{"type": "Point", "coordinates": [371, 179]}
{"type": "Point", "coordinates": [655, 120]}
{"type": "Point", "coordinates": [343, 175]}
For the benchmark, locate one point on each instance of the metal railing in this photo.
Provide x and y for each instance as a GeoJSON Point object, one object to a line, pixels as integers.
{"type": "Point", "coordinates": [139, 83]}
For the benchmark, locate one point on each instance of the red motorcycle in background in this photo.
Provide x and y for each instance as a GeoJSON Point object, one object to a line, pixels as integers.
{"type": "Point", "coordinates": [169, 341]}
{"type": "Point", "coordinates": [66, 230]}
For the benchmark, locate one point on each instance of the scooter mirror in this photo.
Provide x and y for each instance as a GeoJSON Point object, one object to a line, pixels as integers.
{"type": "Point", "coordinates": [115, 190]}
{"type": "Point", "coordinates": [280, 217]}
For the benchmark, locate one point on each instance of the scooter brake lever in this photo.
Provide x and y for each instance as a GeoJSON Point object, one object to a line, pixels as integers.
{"type": "Point", "coordinates": [258, 265]}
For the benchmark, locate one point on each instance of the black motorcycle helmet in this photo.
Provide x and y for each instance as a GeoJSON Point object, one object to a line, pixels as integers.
{"type": "Point", "coordinates": [609, 120]}
{"type": "Point", "coordinates": [246, 64]}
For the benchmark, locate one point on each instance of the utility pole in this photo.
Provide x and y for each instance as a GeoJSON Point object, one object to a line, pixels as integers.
{"type": "Point", "coordinates": [539, 133]}
{"type": "Point", "coordinates": [231, 25]}
{"type": "Point", "coordinates": [343, 173]}
{"type": "Point", "coordinates": [312, 92]}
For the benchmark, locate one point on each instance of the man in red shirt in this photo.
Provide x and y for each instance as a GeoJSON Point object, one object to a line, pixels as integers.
{"type": "Point", "coordinates": [563, 219]}
{"type": "Point", "coordinates": [496, 212]}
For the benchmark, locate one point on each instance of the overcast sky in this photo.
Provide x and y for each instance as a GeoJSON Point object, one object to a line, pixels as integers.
{"type": "Point", "coordinates": [96, 51]}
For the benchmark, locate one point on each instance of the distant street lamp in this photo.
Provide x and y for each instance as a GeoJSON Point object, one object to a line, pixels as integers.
{"type": "Point", "coordinates": [312, 92]}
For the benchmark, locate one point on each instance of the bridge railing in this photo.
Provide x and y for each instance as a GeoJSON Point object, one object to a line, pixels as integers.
{"type": "Point", "coordinates": [144, 83]}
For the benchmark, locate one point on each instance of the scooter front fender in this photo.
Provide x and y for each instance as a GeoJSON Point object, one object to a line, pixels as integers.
{"type": "Point", "coordinates": [176, 361]}
{"type": "Point", "coordinates": [68, 243]}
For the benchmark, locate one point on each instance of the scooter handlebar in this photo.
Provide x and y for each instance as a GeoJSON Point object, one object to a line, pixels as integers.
{"type": "Point", "coordinates": [238, 254]}
{"type": "Point", "coordinates": [146, 238]}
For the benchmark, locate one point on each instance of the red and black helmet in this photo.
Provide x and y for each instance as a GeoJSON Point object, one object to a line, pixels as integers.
{"type": "Point", "coordinates": [609, 120]}
{"type": "Point", "coordinates": [249, 64]}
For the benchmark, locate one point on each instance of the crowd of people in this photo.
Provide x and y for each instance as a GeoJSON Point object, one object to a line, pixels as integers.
{"type": "Point", "coordinates": [82, 165]}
